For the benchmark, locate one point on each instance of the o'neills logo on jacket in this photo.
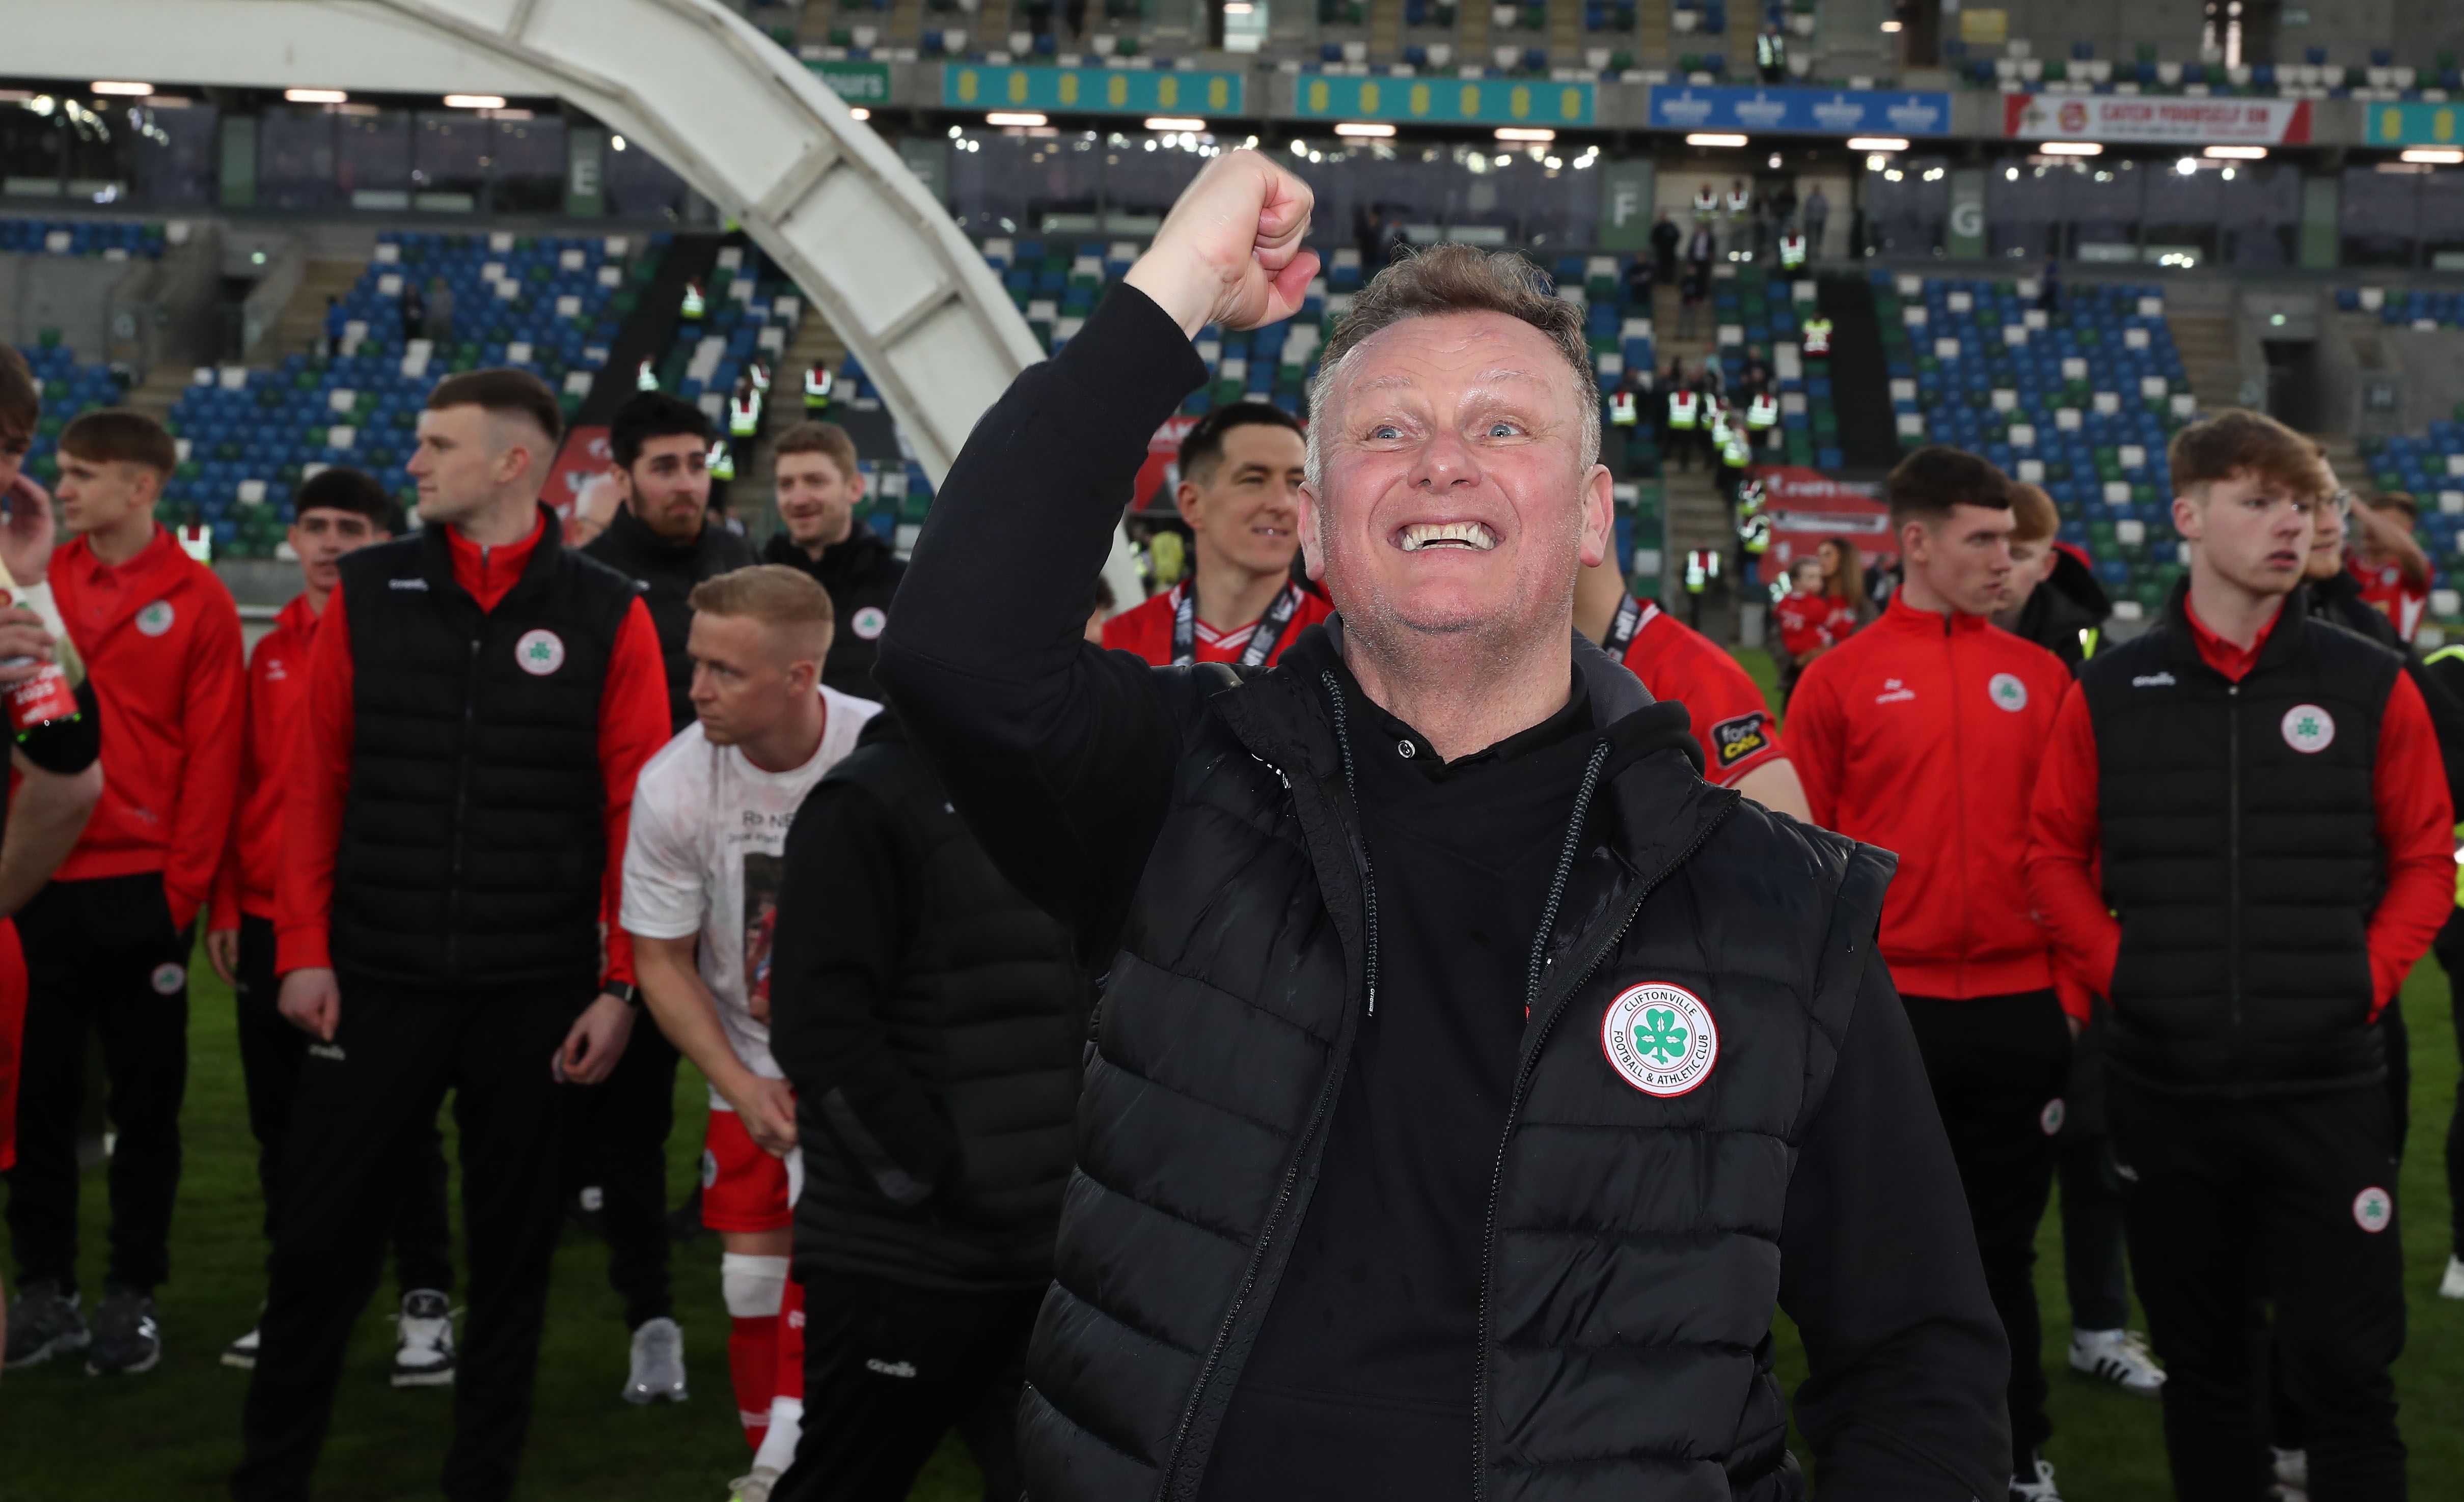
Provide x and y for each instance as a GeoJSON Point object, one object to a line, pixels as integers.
{"type": "Point", "coordinates": [1894, 692]}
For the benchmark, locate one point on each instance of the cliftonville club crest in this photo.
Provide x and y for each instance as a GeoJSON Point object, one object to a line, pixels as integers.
{"type": "Point", "coordinates": [1659, 1038]}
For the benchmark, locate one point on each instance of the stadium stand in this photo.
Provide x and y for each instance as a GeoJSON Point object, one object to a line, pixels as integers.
{"type": "Point", "coordinates": [546, 304]}
{"type": "Point", "coordinates": [2081, 398]}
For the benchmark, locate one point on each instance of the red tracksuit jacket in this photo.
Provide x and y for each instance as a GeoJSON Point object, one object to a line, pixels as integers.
{"type": "Point", "coordinates": [1921, 735]}
{"type": "Point", "coordinates": [1146, 629]}
{"type": "Point", "coordinates": [161, 641]}
{"type": "Point", "coordinates": [277, 689]}
{"type": "Point", "coordinates": [1732, 720]}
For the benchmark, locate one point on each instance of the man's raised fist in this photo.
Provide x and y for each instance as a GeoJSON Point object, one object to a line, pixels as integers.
{"type": "Point", "coordinates": [1230, 250]}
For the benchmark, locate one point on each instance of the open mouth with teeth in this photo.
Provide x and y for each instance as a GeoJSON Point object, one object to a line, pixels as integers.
{"type": "Point", "coordinates": [1469, 536]}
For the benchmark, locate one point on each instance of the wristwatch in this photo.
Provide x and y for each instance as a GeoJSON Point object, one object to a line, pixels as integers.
{"type": "Point", "coordinates": [625, 992]}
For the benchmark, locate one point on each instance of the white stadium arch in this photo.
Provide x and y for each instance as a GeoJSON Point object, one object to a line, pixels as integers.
{"type": "Point", "coordinates": [745, 123]}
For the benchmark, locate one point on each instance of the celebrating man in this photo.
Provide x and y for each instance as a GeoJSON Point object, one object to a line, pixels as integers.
{"type": "Point", "coordinates": [1472, 1079]}
{"type": "Point", "coordinates": [1241, 476]}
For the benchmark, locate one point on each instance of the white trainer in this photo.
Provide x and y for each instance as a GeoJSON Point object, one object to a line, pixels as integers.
{"type": "Point", "coordinates": [242, 1352]}
{"type": "Point", "coordinates": [2039, 1490]}
{"type": "Point", "coordinates": [2452, 1286]}
{"type": "Point", "coordinates": [658, 1363]}
{"type": "Point", "coordinates": [423, 1354]}
{"type": "Point", "coordinates": [2118, 1356]}
{"type": "Point", "coordinates": [755, 1487]}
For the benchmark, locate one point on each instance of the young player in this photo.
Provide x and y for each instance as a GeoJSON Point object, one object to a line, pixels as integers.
{"type": "Point", "coordinates": [2053, 598]}
{"type": "Point", "coordinates": [1804, 618]}
{"type": "Point", "coordinates": [1241, 468]}
{"type": "Point", "coordinates": [58, 785]}
{"type": "Point", "coordinates": [480, 699]}
{"type": "Point", "coordinates": [701, 890]}
{"type": "Point", "coordinates": [1732, 720]}
{"type": "Point", "coordinates": [819, 484]}
{"type": "Point", "coordinates": [2241, 837]}
{"type": "Point", "coordinates": [1921, 735]}
{"type": "Point", "coordinates": [336, 512]}
{"type": "Point", "coordinates": [108, 943]}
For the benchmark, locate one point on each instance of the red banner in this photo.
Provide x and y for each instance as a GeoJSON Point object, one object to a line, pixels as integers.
{"type": "Point", "coordinates": [2181, 119]}
{"type": "Point", "coordinates": [1808, 507]}
{"type": "Point", "coordinates": [583, 459]}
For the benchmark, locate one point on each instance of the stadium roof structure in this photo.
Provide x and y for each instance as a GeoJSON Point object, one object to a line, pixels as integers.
{"type": "Point", "coordinates": [745, 123]}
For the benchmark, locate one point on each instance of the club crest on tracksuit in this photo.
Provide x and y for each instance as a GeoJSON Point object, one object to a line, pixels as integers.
{"type": "Point", "coordinates": [2309, 729]}
{"type": "Point", "coordinates": [1659, 1038]}
{"type": "Point", "coordinates": [2373, 1210]}
{"type": "Point", "coordinates": [2007, 692]}
{"type": "Point", "coordinates": [539, 652]}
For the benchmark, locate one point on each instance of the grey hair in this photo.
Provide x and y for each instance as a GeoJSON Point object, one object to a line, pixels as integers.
{"type": "Point", "coordinates": [1457, 278]}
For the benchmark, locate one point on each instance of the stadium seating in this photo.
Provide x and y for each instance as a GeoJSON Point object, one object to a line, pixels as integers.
{"type": "Point", "coordinates": [2405, 307]}
{"type": "Point", "coordinates": [2080, 400]}
{"type": "Point", "coordinates": [112, 239]}
{"type": "Point", "coordinates": [751, 309]}
{"type": "Point", "coordinates": [68, 388]}
{"type": "Point", "coordinates": [545, 304]}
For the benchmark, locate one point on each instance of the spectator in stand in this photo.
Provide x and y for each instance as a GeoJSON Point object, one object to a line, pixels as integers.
{"type": "Point", "coordinates": [480, 699]}
{"type": "Point", "coordinates": [1639, 279]}
{"type": "Point", "coordinates": [414, 311]}
{"type": "Point", "coordinates": [1732, 721]}
{"type": "Point", "coordinates": [664, 537]}
{"type": "Point", "coordinates": [2242, 837]}
{"type": "Point", "coordinates": [2049, 287]}
{"type": "Point", "coordinates": [1921, 736]}
{"type": "Point", "coordinates": [2055, 599]}
{"type": "Point", "coordinates": [440, 311]}
{"type": "Point", "coordinates": [1700, 248]}
{"type": "Point", "coordinates": [1817, 217]}
{"type": "Point", "coordinates": [818, 486]}
{"type": "Point", "coordinates": [702, 870]}
{"type": "Point", "coordinates": [58, 782]}
{"type": "Point", "coordinates": [335, 511]}
{"type": "Point", "coordinates": [1666, 237]}
{"type": "Point", "coordinates": [1242, 470]}
{"type": "Point", "coordinates": [2393, 571]}
{"type": "Point", "coordinates": [108, 943]}
{"type": "Point", "coordinates": [934, 1030]}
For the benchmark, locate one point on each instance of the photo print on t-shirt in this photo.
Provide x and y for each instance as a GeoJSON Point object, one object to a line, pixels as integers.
{"type": "Point", "coordinates": [762, 873]}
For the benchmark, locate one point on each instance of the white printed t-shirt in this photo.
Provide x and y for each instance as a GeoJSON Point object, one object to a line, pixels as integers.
{"type": "Point", "coordinates": [704, 856]}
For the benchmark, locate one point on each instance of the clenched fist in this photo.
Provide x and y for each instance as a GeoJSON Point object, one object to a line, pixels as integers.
{"type": "Point", "coordinates": [1230, 250]}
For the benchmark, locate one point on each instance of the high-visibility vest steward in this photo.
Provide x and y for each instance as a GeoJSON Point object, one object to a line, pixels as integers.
{"type": "Point", "coordinates": [1817, 335]}
{"type": "Point", "coordinates": [1685, 410]}
{"type": "Point", "coordinates": [1622, 409]}
{"type": "Point", "coordinates": [745, 413]}
{"type": "Point", "coordinates": [1792, 251]}
{"type": "Point", "coordinates": [1762, 412]}
{"type": "Point", "coordinates": [818, 382]}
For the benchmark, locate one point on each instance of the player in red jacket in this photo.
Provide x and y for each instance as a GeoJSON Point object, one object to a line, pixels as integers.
{"type": "Point", "coordinates": [1920, 733]}
{"type": "Point", "coordinates": [1732, 720]}
{"type": "Point", "coordinates": [108, 943]}
{"type": "Point", "coordinates": [2393, 571]}
{"type": "Point", "coordinates": [335, 511]}
{"type": "Point", "coordinates": [1241, 473]}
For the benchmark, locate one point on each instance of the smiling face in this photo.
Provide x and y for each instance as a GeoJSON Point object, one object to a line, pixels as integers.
{"type": "Point", "coordinates": [1456, 490]}
{"type": "Point", "coordinates": [2253, 530]}
{"type": "Point", "coordinates": [1247, 509]}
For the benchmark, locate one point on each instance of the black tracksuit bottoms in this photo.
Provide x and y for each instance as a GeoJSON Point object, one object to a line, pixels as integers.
{"type": "Point", "coordinates": [102, 957]}
{"type": "Point", "coordinates": [2450, 949]}
{"type": "Point", "coordinates": [2287, 1198]}
{"type": "Point", "coordinates": [271, 1052]}
{"type": "Point", "coordinates": [887, 1370]}
{"type": "Point", "coordinates": [1996, 1063]}
{"type": "Point", "coordinates": [619, 1130]}
{"type": "Point", "coordinates": [356, 1130]}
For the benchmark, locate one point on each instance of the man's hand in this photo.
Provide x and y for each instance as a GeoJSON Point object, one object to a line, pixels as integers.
{"type": "Point", "coordinates": [1230, 250]}
{"type": "Point", "coordinates": [222, 952]}
{"type": "Point", "coordinates": [26, 537]}
{"type": "Point", "coordinates": [597, 1040]}
{"type": "Point", "coordinates": [312, 1002]}
{"type": "Point", "coordinates": [767, 1109]}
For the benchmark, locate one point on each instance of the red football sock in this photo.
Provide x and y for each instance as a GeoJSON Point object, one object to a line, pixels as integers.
{"type": "Point", "coordinates": [789, 1378]}
{"type": "Point", "coordinates": [753, 1362]}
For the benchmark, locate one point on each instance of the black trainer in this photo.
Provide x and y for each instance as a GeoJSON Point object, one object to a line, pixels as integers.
{"type": "Point", "coordinates": [44, 1322]}
{"type": "Point", "coordinates": [126, 1341]}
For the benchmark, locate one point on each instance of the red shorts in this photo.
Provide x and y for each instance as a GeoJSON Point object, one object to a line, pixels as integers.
{"type": "Point", "coordinates": [742, 1187]}
{"type": "Point", "coordinates": [13, 1033]}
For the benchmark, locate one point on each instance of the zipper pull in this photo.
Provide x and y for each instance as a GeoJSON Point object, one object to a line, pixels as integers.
{"type": "Point", "coordinates": [1373, 1001]}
